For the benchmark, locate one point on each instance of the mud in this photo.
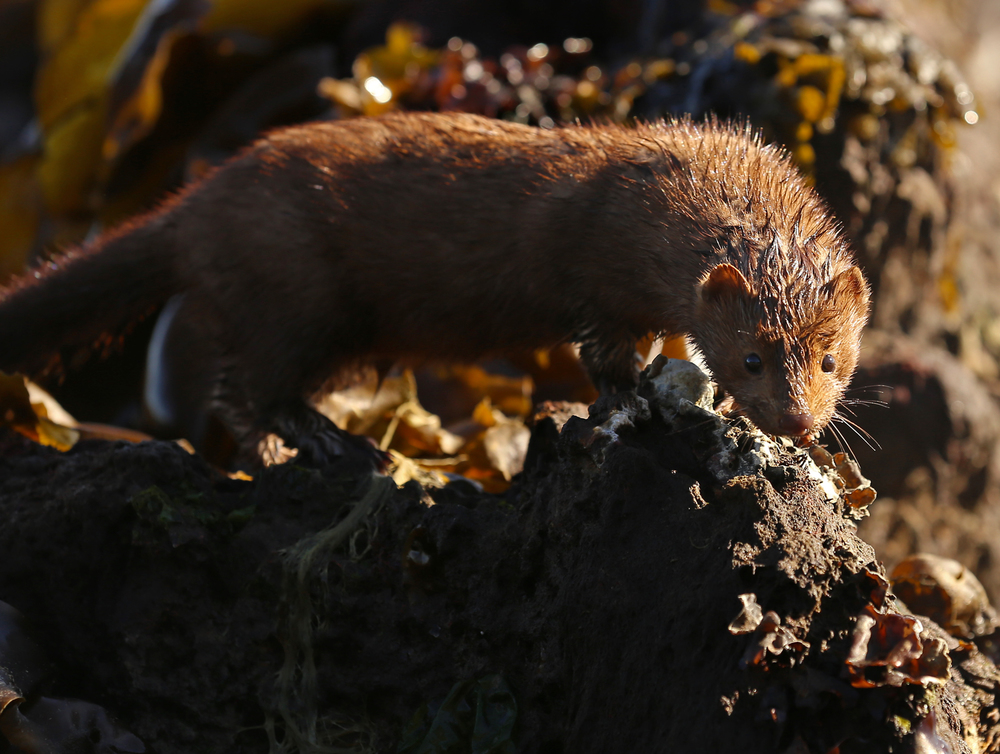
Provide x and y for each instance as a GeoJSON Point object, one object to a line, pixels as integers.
{"type": "Point", "coordinates": [600, 588]}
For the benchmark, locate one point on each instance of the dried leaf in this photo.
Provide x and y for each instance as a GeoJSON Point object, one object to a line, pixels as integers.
{"type": "Point", "coordinates": [860, 499]}
{"type": "Point", "coordinates": [55, 435]}
{"type": "Point", "coordinates": [773, 644]}
{"type": "Point", "coordinates": [484, 413]}
{"type": "Point", "coordinates": [887, 649]}
{"type": "Point", "coordinates": [354, 408]}
{"type": "Point", "coordinates": [345, 93]}
{"type": "Point", "coordinates": [946, 592]}
{"type": "Point", "coordinates": [31, 420]}
{"type": "Point", "coordinates": [850, 472]}
{"type": "Point", "coordinates": [506, 446]}
{"type": "Point", "coordinates": [510, 394]}
{"type": "Point", "coordinates": [429, 473]}
{"type": "Point", "coordinates": [391, 414]}
{"type": "Point", "coordinates": [45, 405]}
{"type": "Point", "coordinates": [750, 615]}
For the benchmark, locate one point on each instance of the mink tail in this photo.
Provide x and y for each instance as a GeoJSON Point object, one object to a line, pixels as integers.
{"type": "Point", "coordinates": [88, 296]}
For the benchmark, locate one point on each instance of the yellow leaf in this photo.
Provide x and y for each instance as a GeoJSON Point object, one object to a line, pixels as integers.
{"type": "Point", "coordinates": [72, 158]}
{"type": "Point", "coordinates": [56, 435]}
{"type": "Point", "coordinates": [17, 412]}
{"type": "Point", "coordinates": [139, 114]}
{"type": "Point", "coordinates": [80, 46]}
{"type": "Point", "coordinates": [811, 103]}
{"type": "Point", "coordinates": [20, 203]}
{"type": "Point", "coordinates": [45, 405]}
{"type": "Point", "coordinates": [81, 42]}
{"type": "Point", "coordinates": [56, 22]}
{"type": "Point", "coordinates": [400, 57]}
{"type": "Point", "coordinates": [484, 413]}
{"type": "Point", "coordinates": [382, 74]}
{"type": "Point", "coordinates": [403, 469]}
{"type": "Point", "coordinates": [390, 414]}
{"type": "Point", "coordinates": [511, 394]}
{"type": "Point", "coordinates": [265, 18]}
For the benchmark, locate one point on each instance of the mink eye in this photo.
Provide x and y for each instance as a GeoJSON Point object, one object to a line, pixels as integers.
{"type": "Point", "coordinates": [829, 363]}
{"type": "Point", "coordinates": [753, 363]}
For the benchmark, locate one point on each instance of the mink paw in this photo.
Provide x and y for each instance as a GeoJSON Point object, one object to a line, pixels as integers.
{"type": "Point", "coordinates": [320, 442]}
{"type": "Point", "coordinates": [332, 444]}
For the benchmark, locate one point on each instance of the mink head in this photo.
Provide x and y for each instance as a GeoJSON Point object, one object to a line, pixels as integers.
{"type": "Point", "coordinates": [785, 349]}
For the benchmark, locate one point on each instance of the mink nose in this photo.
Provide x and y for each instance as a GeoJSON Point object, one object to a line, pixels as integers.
{"type": "Point", "coordinates": [795, 425]}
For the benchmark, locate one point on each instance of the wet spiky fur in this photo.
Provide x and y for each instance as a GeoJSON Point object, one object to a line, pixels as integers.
{"type": "Point", "coordinates": [417, 236]}
{"type": "Point", "coordinates": [800, 297]}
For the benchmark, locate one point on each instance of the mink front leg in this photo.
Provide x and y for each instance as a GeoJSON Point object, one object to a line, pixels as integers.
{"type": "Point", "coordinates": [611, 363]}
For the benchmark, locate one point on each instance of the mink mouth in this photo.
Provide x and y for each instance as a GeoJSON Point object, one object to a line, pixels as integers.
{"type": "Point", "coordinates": [800, 426]}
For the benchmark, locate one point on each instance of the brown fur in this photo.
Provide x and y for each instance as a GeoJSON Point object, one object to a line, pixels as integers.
{"type": "Point", "coordinates": [451, 236]}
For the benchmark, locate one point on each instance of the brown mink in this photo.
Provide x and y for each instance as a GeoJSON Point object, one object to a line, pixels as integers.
{"type": "Point", "coordinates": [450, 236]}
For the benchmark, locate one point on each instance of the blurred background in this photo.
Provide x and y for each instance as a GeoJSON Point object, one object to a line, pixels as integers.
{"type": "Point", "coordinates": [891, 109]}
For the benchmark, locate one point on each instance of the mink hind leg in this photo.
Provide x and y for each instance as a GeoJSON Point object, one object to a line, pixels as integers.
{"type": "Point", "coordinates": [201, 374]}
{"type": "Point", "coordinates": [253, 416]}
{"type": "Point", "coordinates": [262, 389]}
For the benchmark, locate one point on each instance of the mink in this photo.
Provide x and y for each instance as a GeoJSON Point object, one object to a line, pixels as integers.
{"type": "Point", "coordinates": [453, 236]}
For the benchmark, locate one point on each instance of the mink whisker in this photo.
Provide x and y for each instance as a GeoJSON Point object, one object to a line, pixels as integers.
{"type": "Point", "coordinates": [839, 437]}
{"type": "Point", "coordinates": [844, 405]}
{"type": "Point", "coordinates": [860, 431]}
{"type": "Point", "coordinates": [877, 389]}
{"type": "Point", "coordinates": [863, 402]}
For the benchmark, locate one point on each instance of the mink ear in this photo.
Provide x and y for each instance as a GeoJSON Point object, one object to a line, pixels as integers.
{"type": "Point", "coordinates": [723, 281]}
{"type": "Point", "coordinates": [850, 285]}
